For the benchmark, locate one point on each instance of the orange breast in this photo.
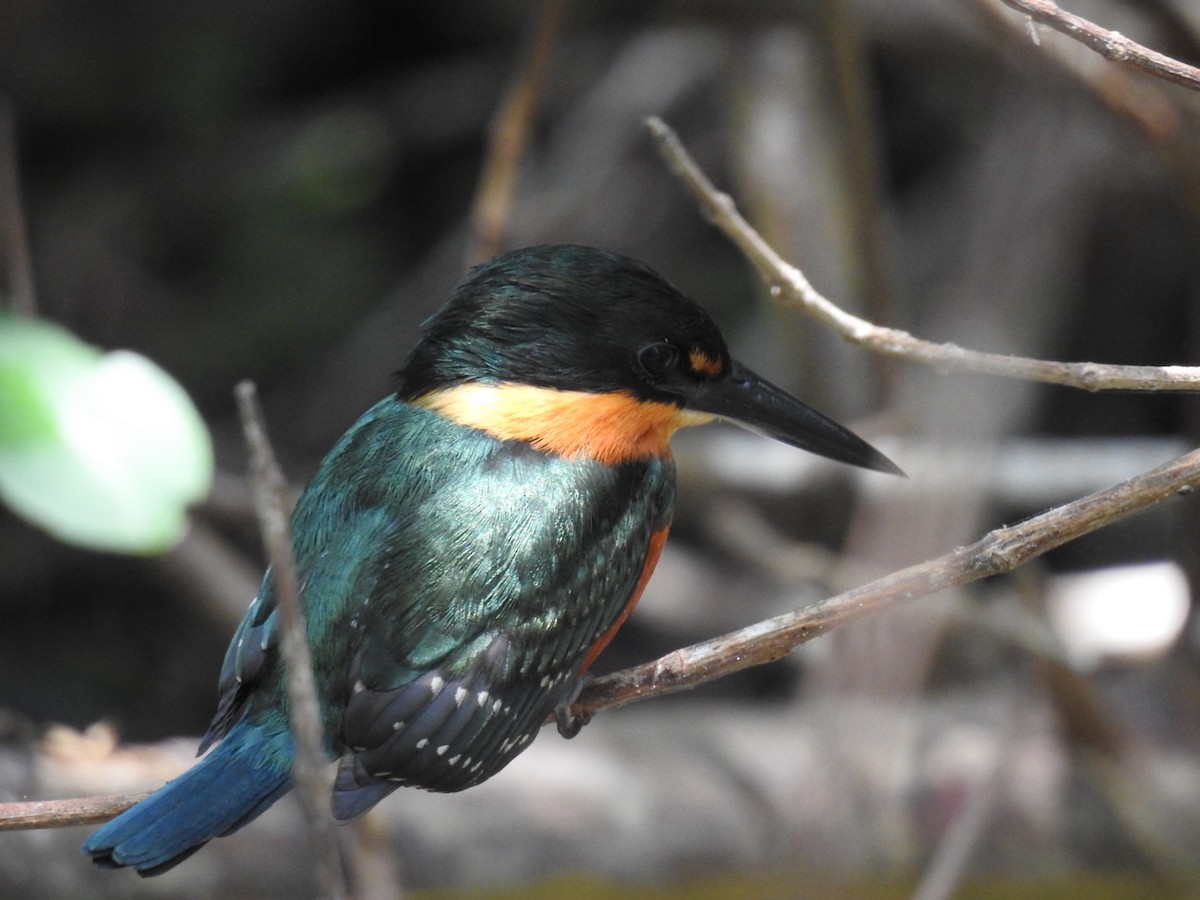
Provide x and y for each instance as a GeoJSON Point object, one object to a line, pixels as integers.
{"type": "Point", "coordinates": [611, 427]}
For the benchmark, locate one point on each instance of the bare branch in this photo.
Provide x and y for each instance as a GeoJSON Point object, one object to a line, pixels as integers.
{"type": "Point", "coordinates": [34, 814]}
{"type": "Point", "coordinates": [1148, 104]}
{"type": "Point", "coordinates": [789, 284]}
{"type": "Point", "coordinates": [17, 289]}
{"type": "Point", "coordinates": [310, 764]}
{"type": "Point", "coordinates": [849, 66]}
{"type": "Point", "coordinates": [1110, 44]}
{"type": "Point", "coordinates": [510, 133]}
{"type": "Point", "coordinates": [1002, 550]}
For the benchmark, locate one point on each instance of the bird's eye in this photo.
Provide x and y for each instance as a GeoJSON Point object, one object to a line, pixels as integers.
{"type": "Point", "coordinates": [655, 360]}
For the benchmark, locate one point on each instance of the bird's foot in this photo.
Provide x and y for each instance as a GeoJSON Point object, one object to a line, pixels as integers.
{"type": "Point", "coordinates": [570, 724]}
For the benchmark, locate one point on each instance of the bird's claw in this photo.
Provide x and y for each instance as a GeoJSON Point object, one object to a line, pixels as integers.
{"type": "Point", "coordinates": [570, 724]}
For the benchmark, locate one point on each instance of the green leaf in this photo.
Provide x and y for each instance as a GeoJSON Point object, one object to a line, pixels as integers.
{"type": "Point", "coordinates": [105, 450]}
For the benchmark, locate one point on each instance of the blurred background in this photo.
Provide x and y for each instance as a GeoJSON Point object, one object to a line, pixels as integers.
{"type": "Point", "coordinates": [284, 190]}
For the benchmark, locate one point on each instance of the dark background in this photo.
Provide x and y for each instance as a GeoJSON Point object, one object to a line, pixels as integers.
{"type": "Point", "coordinates": [280, 191]}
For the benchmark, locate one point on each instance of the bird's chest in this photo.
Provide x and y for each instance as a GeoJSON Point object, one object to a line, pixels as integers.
{"type": "Point", "coordinates": [528, 542]}
{"type": "Point", "coordinates": [486, 605]}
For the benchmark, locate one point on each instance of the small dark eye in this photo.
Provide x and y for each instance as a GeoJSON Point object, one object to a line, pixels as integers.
{"type": "Point", "coordinates": [655, 360]}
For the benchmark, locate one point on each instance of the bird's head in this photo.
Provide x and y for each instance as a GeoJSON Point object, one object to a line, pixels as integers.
{"type": "Point", "coordinates": [584, 352]}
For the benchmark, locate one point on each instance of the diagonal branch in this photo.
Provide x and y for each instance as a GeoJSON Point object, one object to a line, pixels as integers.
{"type": "Point", "coordinates": [1002, 550]}
{"type": "Point", "coordinates": [789, 284]}
{"type": "Point", "coordinates": [1110, 44]}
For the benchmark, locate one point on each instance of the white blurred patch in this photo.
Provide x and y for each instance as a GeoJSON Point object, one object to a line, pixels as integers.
{"type": "Point", "coordinates": [1128, 612]}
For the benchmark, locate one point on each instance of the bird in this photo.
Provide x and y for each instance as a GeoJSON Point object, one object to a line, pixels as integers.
{"type": "Point", "coordinates": [472, 543]}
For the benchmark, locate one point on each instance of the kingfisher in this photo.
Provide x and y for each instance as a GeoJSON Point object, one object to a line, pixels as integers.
{"type": "Point", "coordinates": [474, 541]}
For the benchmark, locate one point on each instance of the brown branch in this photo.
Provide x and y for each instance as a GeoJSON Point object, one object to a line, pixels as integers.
{"type": "Point", "coordinates": [789, 284]}
{"type": "Point", "coordinates": [34, 814]}
{"type": "Point", "coordinates": [863, 168]}
{"type": "Point", "coordinates": [1111, 45]}
{"type": "Point", "coordinates": [310, 764]}
{"type": "Point", "coordinates": [17, 289]}
{"type": "Point", "coordinates": [1002, 550]}
{"type": "Point", "coordinates": [1147, 104]}
{"type": "Point", "coordinates": [509, 135]}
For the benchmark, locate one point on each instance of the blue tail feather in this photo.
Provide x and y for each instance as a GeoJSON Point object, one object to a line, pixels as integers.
{"type": "Point", "coordinates": [248, 771]}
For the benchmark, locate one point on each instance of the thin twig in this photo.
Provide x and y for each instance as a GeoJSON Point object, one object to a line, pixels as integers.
{"type": "Point", "coordinates": [789, 284]}
{"type": "Point", "coordinates": [29, 815]}
{"type": "Point", "coordinates": [1002, 550]}
{"type": "Point", "coordinates": [509, 135]}
{"type": "Point", "coordinates": [17, 290]}
{"type": "Point", "coordinates": [1146, 103]}
{"type": "Point", "coordinates": [1110, 44]}
{"type": "Point", "coordinates": [848, 63]}
{"type": "Point", "coordinates": [310, 766]}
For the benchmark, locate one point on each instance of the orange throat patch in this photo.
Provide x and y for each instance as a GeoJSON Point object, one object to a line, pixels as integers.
{"type": "Point", "coordinates": [611, 428]}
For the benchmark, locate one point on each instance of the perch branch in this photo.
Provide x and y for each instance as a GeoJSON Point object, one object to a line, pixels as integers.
{"type": "Point", "coordinates": [1002, 550]}
{"type": "Point", "coordinates": [789, 284]}
{"type": "Point", "coordinates": [34, 814]}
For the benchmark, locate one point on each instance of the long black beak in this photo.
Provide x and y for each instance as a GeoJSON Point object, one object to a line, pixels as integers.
{"type": "Point", "coordinates": [754, 403]}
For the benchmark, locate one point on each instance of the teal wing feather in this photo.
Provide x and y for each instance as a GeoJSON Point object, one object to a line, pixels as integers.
{"type": "Point", "coordinates": [333, 531]}
{"type": "Point", "coordinates": [452, 585]}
